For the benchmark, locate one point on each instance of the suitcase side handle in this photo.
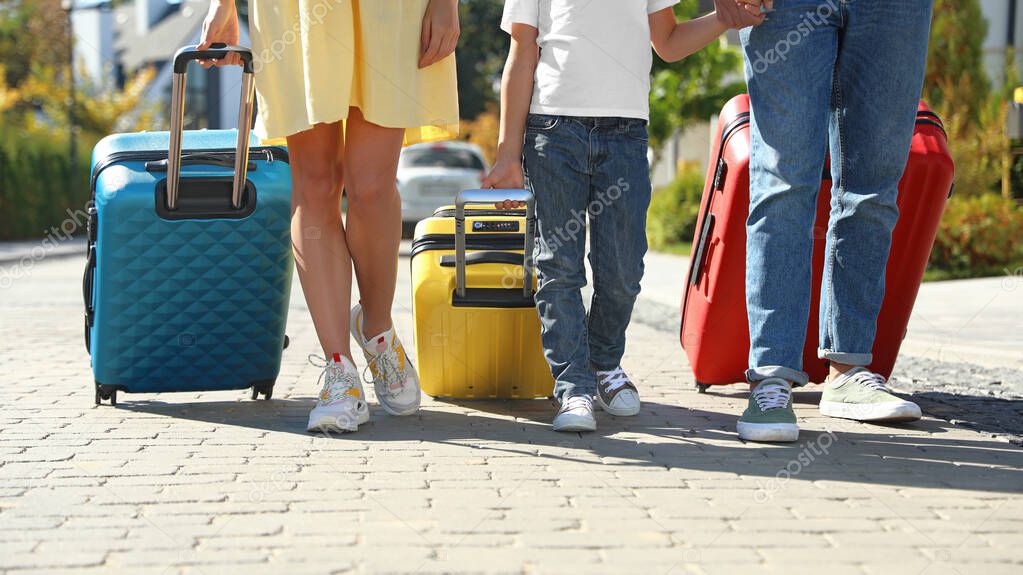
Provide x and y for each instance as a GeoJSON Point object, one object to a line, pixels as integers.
{"type": "Point", "coordinates": [488, 257]}
{"type": "Point", "coordinates": [178, 82]}
{"type": "Point", "coordinates": [467, 197]}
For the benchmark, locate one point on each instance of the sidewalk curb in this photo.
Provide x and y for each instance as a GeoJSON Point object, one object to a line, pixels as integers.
{"type": "Point", "coordinates": [14, 252]}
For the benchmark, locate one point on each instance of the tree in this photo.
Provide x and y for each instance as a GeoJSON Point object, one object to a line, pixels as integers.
{"type": "Point", "coordinates": [957, 87]}
{"type": "Point", "coordinates": [33, 33]}
{"type": "Point", "coordinates": [480, 57]}
{"type": "Point", "coordinates": [955, 59]}
{"type": "Point", "coordinates": [35, 167]}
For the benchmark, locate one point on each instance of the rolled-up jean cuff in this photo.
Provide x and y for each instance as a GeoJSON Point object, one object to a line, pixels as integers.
{"type": "Point", "coordinates": [855, 359]}
{"type": "Point", "coordinates": [796, 377]}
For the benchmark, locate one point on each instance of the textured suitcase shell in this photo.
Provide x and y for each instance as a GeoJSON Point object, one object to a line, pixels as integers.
{"type": "Point", "coordinates": [188, 304]}
{"type": "Point", "coordinates": [714, 329]}
{"type": "Point", "coordinates": [474, 352]}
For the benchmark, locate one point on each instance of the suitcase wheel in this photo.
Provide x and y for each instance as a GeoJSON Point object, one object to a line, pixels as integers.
{"type": "Point", "coordinates": [265, 388]}
{"type": "Point", "coordinates": [104, 392]}
{"type": "Point", "coordinates": [702, 387]}
{"type": "Point", "coordinates": [287, 341]}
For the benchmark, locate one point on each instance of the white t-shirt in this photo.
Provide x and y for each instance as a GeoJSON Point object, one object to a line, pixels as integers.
{"type": "Point", "coordinates": [595, 55]}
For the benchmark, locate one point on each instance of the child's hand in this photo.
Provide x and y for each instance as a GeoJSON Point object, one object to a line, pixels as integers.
{"type": "Point", "coordinates": [509, 205]}
{"type": "Point", "coordinates": [506, 174]}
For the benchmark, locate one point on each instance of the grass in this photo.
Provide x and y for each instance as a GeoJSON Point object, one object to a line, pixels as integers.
{"type": "Point", "coordinates": [937, 275]}
{"type": "Point", "coordinates": [678, 249]}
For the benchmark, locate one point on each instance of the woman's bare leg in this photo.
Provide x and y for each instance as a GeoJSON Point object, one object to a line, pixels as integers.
{"type": "Point", "coordinates": [373, 222]}
{"type": "Point", "coordinates": [318, 237]}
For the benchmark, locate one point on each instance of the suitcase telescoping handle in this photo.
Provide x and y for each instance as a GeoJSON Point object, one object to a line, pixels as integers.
{"type": "Point", "coordinates": [178, 81]}
{"type": "Point", "coordinates": [467, 197]}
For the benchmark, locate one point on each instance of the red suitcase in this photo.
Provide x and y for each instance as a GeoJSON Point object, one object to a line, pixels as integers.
{"type": "Point", "coordinates": [715, 332]}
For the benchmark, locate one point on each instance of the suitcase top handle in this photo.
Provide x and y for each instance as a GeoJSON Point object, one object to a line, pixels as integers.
{"type": "Point", "coordinates": [178, 81]}
{"type": "Point", "coordinates": [467, 197]}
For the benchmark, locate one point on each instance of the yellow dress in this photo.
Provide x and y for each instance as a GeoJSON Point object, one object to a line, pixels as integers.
{"type": "Point", "coordinates": [316, 58]}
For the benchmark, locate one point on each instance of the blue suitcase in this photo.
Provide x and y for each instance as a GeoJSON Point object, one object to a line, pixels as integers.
{"type": "Point", "coordinates": [189, 255]}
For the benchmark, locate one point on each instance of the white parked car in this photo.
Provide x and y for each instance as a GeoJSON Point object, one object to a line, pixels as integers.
{"type": "Point", "coordinates": [430, 175]}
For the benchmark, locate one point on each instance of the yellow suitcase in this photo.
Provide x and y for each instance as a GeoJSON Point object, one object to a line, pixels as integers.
{"type": "Point", "coordinates": [477, 332]}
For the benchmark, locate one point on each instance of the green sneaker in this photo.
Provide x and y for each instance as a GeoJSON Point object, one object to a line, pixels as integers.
{"type": "Point", "coordinates": [769, 416]}
{"type": "Point", "coordinates": [861, 395]}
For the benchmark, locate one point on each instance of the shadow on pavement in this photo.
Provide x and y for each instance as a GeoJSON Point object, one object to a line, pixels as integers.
{"type": "Point", "coordinates": [664, 436]}
{"type": "Point", "coordinates": [986, 414]}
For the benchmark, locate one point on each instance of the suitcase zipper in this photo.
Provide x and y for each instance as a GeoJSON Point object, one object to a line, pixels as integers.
{"type": "Point", "coordinates": [498, 242]}
{"type": "Point", "coordinates": [269, 153]}
{"type": "Point", "coordinates": [450, 213]}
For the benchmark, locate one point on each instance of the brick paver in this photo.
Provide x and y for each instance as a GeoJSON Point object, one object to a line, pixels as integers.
{"type": "Point", "coordinates": [216, 483]}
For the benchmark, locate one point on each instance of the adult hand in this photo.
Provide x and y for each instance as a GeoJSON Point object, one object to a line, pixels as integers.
{"type": "Point", "coordinates": [220, 26]}
{"type": "Point", "coordinates": [756, 8]}
{"type": "Point", "coordinates": [740, 13]}
{"type": "Point", "coordinates": [439, 35]}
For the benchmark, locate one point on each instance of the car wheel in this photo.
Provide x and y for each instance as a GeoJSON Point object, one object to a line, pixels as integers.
{"type": "Point", "coordinates": [408, 229]}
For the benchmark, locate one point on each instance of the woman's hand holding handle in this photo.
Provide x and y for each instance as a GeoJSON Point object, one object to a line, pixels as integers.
{"type": "Point", "coordinates": [220, 26]}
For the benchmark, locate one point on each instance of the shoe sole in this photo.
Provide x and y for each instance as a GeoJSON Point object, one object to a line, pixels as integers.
{"type": "Point", "coordinates": [872, 412]}
{"type": "Point", "coordinates": [768, 432]}
{"type": "Point", "coordinates": [577, 424]}
{"type": "Point", "coordinates": [616, 412]}
{"type": "Point", "coordinates": [399, 413]}
{"type": "Point", "coordinates": [328, 424]}
{"type": "Point", "coordinates": [319, 421]}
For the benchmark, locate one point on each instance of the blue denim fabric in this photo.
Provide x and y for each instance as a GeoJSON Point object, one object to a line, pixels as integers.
{"type": "Point", "coordinates": [844, 74]}
{"type": "Point", "coordinates": [595, 170]}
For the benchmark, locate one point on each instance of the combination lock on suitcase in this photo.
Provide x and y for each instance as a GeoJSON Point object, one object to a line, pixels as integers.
{"type": "Point", "coordinates": [189, 256]}
{"type": "Point", "coordinates": [476, 326]}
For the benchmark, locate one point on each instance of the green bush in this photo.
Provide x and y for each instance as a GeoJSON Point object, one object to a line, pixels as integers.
{"type": "Point", "coordinates": [671, 219]}
{"type": "Point", "coordinates": [34, 177]}
{"type": "Point", "coordinates": [978, 236]}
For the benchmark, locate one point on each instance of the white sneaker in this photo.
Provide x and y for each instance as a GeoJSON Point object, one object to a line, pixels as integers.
{"type": "Point", "coordinates": [616, 394]}
{"type": "Point", "coordinates": [342, 405]}
{"type": "Point", "coordinates": [576, 414]}
{"type": "Point", "coordinates": [394, 377]}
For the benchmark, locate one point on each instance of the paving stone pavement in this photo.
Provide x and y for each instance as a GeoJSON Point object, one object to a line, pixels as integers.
{"type": "Point", "coordinates": [215, 483]}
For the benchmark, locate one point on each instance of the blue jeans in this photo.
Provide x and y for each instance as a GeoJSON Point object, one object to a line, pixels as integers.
{"type": "Point", "coordinates": [844, 75]}
{"type": "Point", "coordinates": [583, 169]}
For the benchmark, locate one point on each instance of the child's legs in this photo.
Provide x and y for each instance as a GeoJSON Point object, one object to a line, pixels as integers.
{"type": "Point", "coordinates": [618, 202]}
{"type": "Point", "coordinates": [374, 215]}
{"type": "Point", "coordinates": [790, 80]}
{"type": "Point", "coordinates": [318, 238]}
{"type": "Point", "coordinates": [878, 78]}
{"type": "Point", "coordinates": [555, 161]}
